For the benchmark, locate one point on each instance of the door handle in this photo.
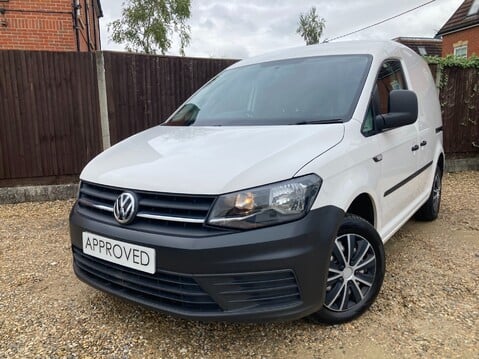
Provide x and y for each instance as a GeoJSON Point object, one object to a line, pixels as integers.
{"type": "Point", "coordinates": [423, 143]}
{"type": "Point", "coordinates": [415, 148]}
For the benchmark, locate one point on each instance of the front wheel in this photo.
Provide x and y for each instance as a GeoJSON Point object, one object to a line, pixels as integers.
{"type": "Point", "coordinates": [355, 274]}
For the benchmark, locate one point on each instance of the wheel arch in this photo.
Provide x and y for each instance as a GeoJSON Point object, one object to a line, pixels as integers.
{"type": "Point", "coordinates": [441, 162]}
{"type": "Point", "coordinates": [363, 206]}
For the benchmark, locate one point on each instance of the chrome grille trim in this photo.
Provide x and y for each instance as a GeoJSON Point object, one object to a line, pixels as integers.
{"type": "Point", "coordinates": [170, 218]}
{"type": "Point", "coordinates": [97, 206]}
{"type": "Point", "coordinates": [181, 214]}
{"type": "Point", "coordinates": [145, 215]}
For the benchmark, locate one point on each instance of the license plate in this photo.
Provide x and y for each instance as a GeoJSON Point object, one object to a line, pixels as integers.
{"type": "Point", "coordinates": [125, 254]}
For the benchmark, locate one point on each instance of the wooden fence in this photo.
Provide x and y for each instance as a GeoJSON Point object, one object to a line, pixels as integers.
{"type": "Point", "coordinates": [50, 107]}
{"type": "Point", "coordinates": [143, 90]}
{"type": "Point", "coordinates": [49, 114]}
{"type": "Point", "coordinates": [459, 98]}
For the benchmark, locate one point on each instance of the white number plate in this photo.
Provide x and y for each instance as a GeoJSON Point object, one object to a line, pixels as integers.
{"type": "Point", "coordinates": [125, 254]}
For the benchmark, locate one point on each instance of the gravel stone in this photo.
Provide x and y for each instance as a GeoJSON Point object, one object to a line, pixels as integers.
{"type": "Point", "coordinates": [428, 306]}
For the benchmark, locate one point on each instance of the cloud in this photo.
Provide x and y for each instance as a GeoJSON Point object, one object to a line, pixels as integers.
{"type": "Point", "coordinates": [243, 28]}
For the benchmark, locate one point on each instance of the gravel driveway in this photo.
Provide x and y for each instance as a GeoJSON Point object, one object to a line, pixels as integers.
{"type": "Point", "coordinates": [428, 306]}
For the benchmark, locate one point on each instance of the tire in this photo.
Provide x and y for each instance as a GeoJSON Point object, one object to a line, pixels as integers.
{"type": "Point", "coordinates": [430, 210]}
{"type": "Point", "coordinates": [353, 280]}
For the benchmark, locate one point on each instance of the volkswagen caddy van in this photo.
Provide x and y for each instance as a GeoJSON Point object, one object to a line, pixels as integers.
{"type": "Point", "coordinates": [268, 195]}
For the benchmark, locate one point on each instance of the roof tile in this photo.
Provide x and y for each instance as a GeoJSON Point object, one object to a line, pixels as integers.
{"type": "Point", "coordinates": [431, 47]}
{"type": "Point", "coordinates": [460, 19]}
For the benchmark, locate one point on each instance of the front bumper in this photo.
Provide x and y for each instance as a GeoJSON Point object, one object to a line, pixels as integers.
{"type": "Point", "coordinates": [273, 273]}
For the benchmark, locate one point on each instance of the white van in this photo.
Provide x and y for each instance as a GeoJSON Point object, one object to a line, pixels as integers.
{"type": "Point", "coordinates": [269, 193]}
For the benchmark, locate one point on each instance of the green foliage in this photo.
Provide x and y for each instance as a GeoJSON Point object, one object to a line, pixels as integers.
{"type": "Point", "coordinates": [311, 26]}
{"type": "Point", "coordinates": [451, 61]}
{"type": "Point", "coordinates": [454, 61]}
{"type": "Point", "coordinates": [148, 25]}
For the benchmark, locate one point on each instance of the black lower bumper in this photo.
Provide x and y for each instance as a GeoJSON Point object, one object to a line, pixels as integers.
{"type": "Point", "coordinates": [273, 273]}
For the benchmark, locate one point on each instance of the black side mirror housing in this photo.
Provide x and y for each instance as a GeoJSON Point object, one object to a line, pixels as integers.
{"type": "Point", "coordinates": [403, 110]}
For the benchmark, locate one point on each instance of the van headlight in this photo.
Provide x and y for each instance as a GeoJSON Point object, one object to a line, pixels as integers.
{"type": "Point", "coordinates": [266, 205]}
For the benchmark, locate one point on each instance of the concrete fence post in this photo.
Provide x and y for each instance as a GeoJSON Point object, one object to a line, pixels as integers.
{"type": "Point", "coordinates": [102, 96]}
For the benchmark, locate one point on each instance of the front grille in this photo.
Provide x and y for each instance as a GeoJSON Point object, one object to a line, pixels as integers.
{"type": "Point", "coordinates": [182, 215]}
{"type": "Point", "coordinates": [252, 291]}
{"type": "Point", "coordinates": [163, 290]}
{"type": "Point", "coordinates": [219, 293]}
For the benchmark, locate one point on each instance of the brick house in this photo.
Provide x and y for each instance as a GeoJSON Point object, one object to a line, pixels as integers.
{"type": "Point", "coordinates": [460, 34]}
{"type": "Point", "coordinates": [53, 25]}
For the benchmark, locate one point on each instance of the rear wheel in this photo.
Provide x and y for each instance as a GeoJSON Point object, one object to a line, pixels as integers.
{"type": "Point", "coordinates": [430, 210]}
{"type": "Point", "coordinates": [355, 274]}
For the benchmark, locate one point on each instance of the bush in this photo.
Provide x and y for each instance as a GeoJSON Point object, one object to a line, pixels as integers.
{"type": "Point", "coordinates": [454, 61]}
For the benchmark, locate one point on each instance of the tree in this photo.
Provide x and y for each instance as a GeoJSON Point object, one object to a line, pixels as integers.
{"type": "Point", "coordinates": [311, 26]}
{"type": "Point", "coordinates": [148, 25]}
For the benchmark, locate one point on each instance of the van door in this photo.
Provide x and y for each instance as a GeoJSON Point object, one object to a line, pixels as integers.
{"type": "Point", "coordinates": [427, 133]}
{"type": "Point", "coordinates": [425, 157]}
{"type": "Point", "coordinates": [397, 150]}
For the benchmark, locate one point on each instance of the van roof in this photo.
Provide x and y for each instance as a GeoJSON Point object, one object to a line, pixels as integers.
{"type": "Point", "coordinates": [381, 49]}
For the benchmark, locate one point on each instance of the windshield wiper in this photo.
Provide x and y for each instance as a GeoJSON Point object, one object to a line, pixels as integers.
{"type": "Point", "coordinates": [320, 122]}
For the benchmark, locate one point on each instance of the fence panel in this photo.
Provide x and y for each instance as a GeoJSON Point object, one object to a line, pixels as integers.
{"type": "Point", "coordinates": [459, 98]}
{"type": "Point", "coordinates": [49, 115]}
{"type": "Point", "coordinates": [144, 90]}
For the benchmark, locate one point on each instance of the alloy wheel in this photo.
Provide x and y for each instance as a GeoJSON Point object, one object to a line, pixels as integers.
{"type": "Point", "coordinates": [436, 191]}
{"type": "Point", "coordinates": [351, 272]}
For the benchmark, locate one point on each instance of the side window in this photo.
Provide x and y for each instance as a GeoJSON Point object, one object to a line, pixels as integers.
{"type": "Point", "coordinates": [368, 124]}
{"type": "Point", "coordinates": [390, 77]}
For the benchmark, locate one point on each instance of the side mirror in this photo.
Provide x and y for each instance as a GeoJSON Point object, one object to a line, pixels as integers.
{"type": "Point", "coordinates": [403, 110]}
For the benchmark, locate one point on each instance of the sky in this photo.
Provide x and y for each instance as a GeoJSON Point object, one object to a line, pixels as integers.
{"type": "Point", "coordinates": [243, 28]}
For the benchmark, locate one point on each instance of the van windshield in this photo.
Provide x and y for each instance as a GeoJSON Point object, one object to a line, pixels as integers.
{"type": "Point", "coordinates": [295, 91]}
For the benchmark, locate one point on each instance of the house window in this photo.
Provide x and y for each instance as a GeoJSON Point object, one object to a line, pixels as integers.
{"type": "Point", "coordinates": [474, 8]}
{"type": "Point", "coordinates": [460, 51]}
{"type": "Point", "coordinates": [422, 50]}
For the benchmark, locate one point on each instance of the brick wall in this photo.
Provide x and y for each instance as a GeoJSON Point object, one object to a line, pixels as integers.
{"type": "Point", "coordinates": [44, 25]}
{"type": "Point", "coordinates": [471, 36]}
